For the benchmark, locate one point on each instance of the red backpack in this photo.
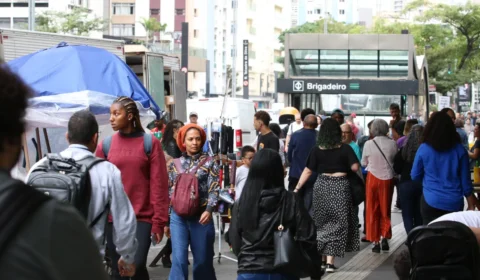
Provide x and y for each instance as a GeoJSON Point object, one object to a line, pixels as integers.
{"type": "Point", "coordinates": [186, 197]}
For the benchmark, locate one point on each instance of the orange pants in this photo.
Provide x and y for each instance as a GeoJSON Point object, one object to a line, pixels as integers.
{"type": "Point", "coordinates": [378, 208]}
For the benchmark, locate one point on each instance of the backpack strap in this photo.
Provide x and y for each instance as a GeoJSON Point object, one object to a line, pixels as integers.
{"type": "Point", "coordinates": [17, 203]}
{"type": "Point", "coordinates": [147, 143]}
{"type": "Point", "coordinates": [107, 142]}
{"type": "Point", "coordinates": [200, 164]}
{"type": "Point", "coordinates": [178, 165]}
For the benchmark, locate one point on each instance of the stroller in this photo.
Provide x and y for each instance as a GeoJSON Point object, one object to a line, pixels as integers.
{"type": "Point", "coordinates": [443, 251]}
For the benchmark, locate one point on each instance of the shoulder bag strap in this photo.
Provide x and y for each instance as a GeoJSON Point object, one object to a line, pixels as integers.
{"type": "Point", "coordinates": [384, 156]}
{"type": "Point", "coordinates": [200, 164]}
{"type": "Point", "coordinates": [282, 211]}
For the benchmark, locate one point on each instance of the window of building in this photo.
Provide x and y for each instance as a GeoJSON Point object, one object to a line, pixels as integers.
{"type": "Point", "coordinates": [342, 1]}
{"type": "Point", "coordinates": [123, 29]}
{"type": "Point", "coordinates": [363, 63]}
{"type": "Point", "coordinates": [393, 63]}
{"type": "Point", "coordinates": [304, 62]}
{"type": "Point", "coordinates": [318, 11]}
{"type": "Point", "coordinates": [342, 12]}
{"type": "Point", "coordinates": [154, 11]}
{"type": "Point", "coordinates": [334, 63]}
{"type": "Point", "coordinates": [310, 12]}
{"type": "Point", "coordinates": [124, 8]}
{"type": "Point", "coordinates": [20, 23]}
{"type": "Point", "coordinates": [195, 33]}
{"type": "Point", "coordinates": [5, 22]}
{"type": "Point", "coordinates": [180, 12]}
{"type": "Point", "coordinates": [195, 12]}
{"type": "Point", "coordinates": [6, 5]}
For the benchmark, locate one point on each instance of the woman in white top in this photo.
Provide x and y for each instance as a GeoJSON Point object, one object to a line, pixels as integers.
{"type": "Point", "coordinates": [378, 155]}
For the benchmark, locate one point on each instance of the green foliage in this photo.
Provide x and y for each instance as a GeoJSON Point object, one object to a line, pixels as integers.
{"type": "Point", "coordinates": [447, 35]}
{"type": "Point", "coordinates": [151, 26]}
{"type": "Point", "coordinates": [78, 21]}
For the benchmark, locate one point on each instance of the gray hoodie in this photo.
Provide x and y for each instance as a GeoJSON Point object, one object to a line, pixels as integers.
{"type": "Point", "coordinates": [107, 187]}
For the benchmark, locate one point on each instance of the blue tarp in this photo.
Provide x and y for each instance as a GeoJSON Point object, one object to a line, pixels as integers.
{"type": "Point", "coordinates": [71, 69]}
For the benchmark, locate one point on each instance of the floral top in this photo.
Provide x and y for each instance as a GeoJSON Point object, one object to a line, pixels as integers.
{"type": "Point", "coordinates": [207, 178]}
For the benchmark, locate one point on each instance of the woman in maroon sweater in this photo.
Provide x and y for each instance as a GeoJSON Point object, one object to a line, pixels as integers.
{"type": "Point", "coordinates": [144, 178]}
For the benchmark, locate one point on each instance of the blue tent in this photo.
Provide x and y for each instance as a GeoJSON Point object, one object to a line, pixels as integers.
{"type": "Point", "coordinates": [74, 77]}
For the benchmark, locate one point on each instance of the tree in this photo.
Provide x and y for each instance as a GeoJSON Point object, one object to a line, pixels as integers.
{"type": "Point", "coordinates": [151, 26]}
{"type": "Point", "coordinates": [78, 21]}
{"type": "Point", "coordinates": [229, 81]}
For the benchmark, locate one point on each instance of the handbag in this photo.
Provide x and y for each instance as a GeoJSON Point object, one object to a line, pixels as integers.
{"type": "Point", "coordinates": [290, 258]}
{"type": "Point", "coordinates": [357, 186]}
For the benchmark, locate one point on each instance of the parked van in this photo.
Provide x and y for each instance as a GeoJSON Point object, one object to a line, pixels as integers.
{"type": "Point", "coordinates": [238, 113]}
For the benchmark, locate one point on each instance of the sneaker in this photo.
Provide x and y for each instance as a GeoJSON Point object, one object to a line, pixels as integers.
{"type": "Point", "coordinates": [385, 246]}
{"type": "Point", "coordinates": [376, 248]}
{"type": "Point", "coordinates": [330, 268]}
{"type": "Point", "coordinates": [324, 265]}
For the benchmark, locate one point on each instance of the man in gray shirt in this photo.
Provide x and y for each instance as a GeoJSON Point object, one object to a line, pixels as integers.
{"type": "Point", "coordinates": [107, 188]}
{"type": "Point", "coordinates": [54, 243]}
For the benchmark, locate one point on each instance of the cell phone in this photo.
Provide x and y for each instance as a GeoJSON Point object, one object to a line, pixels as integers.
{"type": "Point", "coordinates": [153, 240]}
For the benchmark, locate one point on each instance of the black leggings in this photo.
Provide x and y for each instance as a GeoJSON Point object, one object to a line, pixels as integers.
{"type": "Point", "coordinates": [429, 213]}
{"type": "Point", "coordinates": [143, 239]}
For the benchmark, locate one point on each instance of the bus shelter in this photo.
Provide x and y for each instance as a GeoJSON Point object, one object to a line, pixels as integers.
{"type": "Point", "coordinates": [360, 74]}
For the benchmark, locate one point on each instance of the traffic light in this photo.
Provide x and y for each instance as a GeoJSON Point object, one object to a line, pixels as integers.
{"type": "Point", "coordinates": [449, 69]}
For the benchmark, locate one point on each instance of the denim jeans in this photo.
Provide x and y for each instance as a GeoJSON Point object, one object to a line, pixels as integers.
{"type": "Point", "coordinates": [188, 231]}
{"type": "Point", "coordinates": [411, 195]}
{"type": "Point", "coordinates": [143, 238]}
{"type": "Point", "coordinates": [264, 276]}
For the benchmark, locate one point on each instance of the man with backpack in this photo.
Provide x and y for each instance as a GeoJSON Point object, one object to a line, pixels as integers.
{"type": "Point", "coordinates": [94, 187]}
{"type": "Point", "coordinates": [40, 238]}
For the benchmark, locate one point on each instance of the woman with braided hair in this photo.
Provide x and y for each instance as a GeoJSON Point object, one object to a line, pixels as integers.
{"type": "Point", "coordinates": [140, 158]}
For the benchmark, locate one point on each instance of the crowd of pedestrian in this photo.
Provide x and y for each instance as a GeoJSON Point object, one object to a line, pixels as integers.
{"type": "Point", "coordinates": [154, 184]}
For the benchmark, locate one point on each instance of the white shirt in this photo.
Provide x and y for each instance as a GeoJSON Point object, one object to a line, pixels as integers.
{"type": "Point", "coordinates": [374, 161]}
{"type": "Point", "coordinates": [107, 186]}
{"type": "Point", "coordinates": [468, 218]}
{"type": "Point", "coordinates": [240, 179]}
{"type": "Point", "coordinates": [293, 127]}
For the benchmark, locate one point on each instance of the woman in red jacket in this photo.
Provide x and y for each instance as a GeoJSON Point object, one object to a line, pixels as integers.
{"type": "Point", "coordinates": [144, 177]}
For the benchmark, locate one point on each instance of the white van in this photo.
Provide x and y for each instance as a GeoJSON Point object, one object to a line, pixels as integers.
{"type": "Point", "coordinates": [238, 113]}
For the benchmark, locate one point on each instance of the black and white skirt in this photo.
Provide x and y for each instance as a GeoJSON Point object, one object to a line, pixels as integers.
{"type": "Point", "coordinates": [334, 216]}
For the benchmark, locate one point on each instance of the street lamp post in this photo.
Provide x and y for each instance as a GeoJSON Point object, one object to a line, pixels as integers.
{"type": "Point", "coordinates": [31, 15]}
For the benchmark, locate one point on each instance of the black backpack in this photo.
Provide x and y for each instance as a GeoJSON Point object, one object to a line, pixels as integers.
{"type": "Point", "coordinates": [66, 180]}
{"type": "Point", "coordinates": [443, 250]}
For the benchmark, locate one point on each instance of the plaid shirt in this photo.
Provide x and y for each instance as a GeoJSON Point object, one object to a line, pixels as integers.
{"type": "Point", "coordinates": [207, 178]}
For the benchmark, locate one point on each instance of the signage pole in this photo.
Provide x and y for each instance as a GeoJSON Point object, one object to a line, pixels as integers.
{"type": "Point", "coordinates": [245, 69]}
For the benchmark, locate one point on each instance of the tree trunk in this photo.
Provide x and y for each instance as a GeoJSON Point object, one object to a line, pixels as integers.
{"type": "Point", "coordinates": [466, 55]}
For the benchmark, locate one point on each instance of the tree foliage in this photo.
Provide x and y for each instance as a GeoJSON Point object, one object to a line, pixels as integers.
{"type": "Point", "coordinates": [77, 21]}
{"type": "Point", "coordinates": [151, 26]}
{"type": "Point", "coordinates": [448, 35]}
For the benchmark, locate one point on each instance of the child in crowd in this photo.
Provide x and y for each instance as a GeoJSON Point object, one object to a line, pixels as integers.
{"type": "Point", "coordinates": [242, 172]}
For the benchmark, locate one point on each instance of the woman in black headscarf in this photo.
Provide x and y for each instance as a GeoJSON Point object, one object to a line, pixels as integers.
{"type": "Point", "coordinates": [410, 191]}
{"type": "Point", "coordinates": [257, 216]}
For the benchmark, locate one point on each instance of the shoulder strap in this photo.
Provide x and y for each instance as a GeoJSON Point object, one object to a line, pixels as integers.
{"type": "Point", "coordinates": [95, 221]}
{"type": "Point", "coordinates": [383, 156]}
{"type": "Point", "coordinates": [17, 203]}
{"type": "Point", "coordinates": [106, 146]}
{"type": "Point", "coordinates": [200, 164]}
{"type": "Point", "coordinates": [178, 165]}
{"type": "Point", "coordinates": [282, 211]}
{"type": "Point", "coordinates": [147, 143]}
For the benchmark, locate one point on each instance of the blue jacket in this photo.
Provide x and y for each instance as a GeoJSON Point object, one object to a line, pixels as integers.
{"type": "Point", "coordinates": [301, 143]}
{"type": "Point", "coordinates": [445, 175]}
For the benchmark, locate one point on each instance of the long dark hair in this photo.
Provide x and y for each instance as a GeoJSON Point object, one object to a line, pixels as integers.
{"type": "Point", "coordinates": [266, 172]}
{"type": "Point", "coordinates": [330, 136]}
{"type": "Point", "coordinates": [169, 130]}
{"type": "Point", "coordinates": [413, 143]}
{"type": "Point", "coordinates": [131, 108]}
{"type": "Point", "coordinates": [440, 132]}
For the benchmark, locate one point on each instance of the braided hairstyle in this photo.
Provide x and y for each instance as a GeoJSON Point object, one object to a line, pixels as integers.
{"type": "Point", "coordinates": [131, 108]}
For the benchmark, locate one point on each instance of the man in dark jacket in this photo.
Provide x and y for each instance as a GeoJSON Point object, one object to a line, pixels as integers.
{"type": "Point", "coordinates": [54, 241]}
{"type": "Point", "coordinates": [301, 144]}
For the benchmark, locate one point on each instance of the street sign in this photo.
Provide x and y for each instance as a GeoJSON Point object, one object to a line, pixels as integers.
{"type": "Point", "coordinates": [443, 102]}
